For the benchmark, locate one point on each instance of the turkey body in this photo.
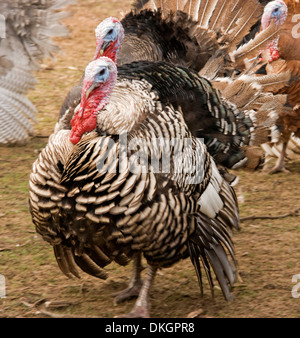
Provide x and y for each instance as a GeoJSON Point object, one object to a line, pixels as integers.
{"type": "Point", "coordinates": [289, 61]}
{"type": "Point", "coordinates": [289, 51]}
{"type": "Point", "coordinates": [98, 201]}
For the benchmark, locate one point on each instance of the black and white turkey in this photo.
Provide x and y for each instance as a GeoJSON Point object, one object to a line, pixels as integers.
{"type": "Point", "coordinates": [96, 200]}
{"type": "Point", "coordinates": [27, 27]}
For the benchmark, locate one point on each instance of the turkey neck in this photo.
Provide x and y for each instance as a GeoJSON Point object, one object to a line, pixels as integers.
{"type": "Point", "coordinates": [85, 118]}
{"type": "Point", "coordinates": [112, 52]}
{"type": "Point", "coordinates": [127, 108]}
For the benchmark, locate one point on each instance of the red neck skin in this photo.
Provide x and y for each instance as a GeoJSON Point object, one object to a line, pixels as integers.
{"type": "Point", "coordinates": [111, 52]}
{"type": "Point", "coordinates": [85, 119]}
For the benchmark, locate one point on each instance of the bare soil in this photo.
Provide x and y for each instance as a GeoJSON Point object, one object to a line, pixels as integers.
{"type": "Point", "coordinates": [268, 251]}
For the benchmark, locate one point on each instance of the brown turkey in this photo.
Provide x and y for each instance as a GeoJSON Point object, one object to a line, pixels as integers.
{"type": "Point", "coordinates": [284, 56]}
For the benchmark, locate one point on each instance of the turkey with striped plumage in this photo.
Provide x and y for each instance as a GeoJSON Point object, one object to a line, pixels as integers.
{"type": "Point", "coordinates": [91, 221]}
{"type": "Point", "coordinates": [110, 194]}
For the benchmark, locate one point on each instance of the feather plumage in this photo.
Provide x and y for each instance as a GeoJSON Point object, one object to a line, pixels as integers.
{"type": "Point", "coordinates": [29, 27]}
{"type": "Point", "coordinates": [95, 207]}
{"type": "Point", "coordinates": [284, 68]}
{"type": "Point", "coordinates": [165, 35]}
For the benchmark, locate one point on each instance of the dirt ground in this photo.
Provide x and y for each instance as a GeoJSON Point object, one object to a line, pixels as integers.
{"type": "Point", "coordinates": [267, 250]}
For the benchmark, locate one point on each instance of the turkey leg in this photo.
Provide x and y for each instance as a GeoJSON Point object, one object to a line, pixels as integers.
{"type": "Point", "coordinates": [135, 283]}
{"type": "Point", "coordinates": [280, 164]}
{"type": "Point", "coordinates": [141, 307]}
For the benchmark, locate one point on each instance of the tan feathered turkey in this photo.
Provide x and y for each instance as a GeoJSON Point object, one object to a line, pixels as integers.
{"type": "Point", "coordinates": [283, 55]}
{"type": "Point", "coordinates": [205, 39]}
{"type": "Point", "coordinates": [27, 27]}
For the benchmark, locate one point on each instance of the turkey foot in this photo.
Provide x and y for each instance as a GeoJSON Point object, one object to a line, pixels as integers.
{"type": "Point", "coordinates": [132, 291]}
{"type": "Point", "coordinates": [279, 169]}
{"type": "Point", "coordinates": [135, 284]}
{"type": "Point", "coordinates": [141, 307]}
{"type": "Point", "coordinates": [280, 165]}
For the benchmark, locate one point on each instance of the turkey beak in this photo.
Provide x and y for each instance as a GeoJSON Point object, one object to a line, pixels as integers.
{"type": "Point", "coordinates": [89, 90]}
{"type": "Point", "coordinates": [103, 47]}
{"type": "Point", "coordinates": [97, 53]}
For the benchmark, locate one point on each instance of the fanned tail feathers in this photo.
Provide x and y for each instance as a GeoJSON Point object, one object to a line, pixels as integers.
{"type": "Point", "coordinates": [30, 25]}
{"type": "Point", "coordinates": [262, 108]}
{"type": "Point", "coordinates": [230, 19]}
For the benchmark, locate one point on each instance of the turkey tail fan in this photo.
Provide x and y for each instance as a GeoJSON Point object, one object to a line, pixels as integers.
{"type": "Point", "coordinates": [230, 19]}
{"type": "Point", "coordinates": [227, 58]}
{"type": "Point", "coordinates": [34, 23]}
{"type": "Point", "coordinates": [259, 110]}
{"type": "Point", "coordinates": [233, 19]}
{"type": "Point", "coordinates": [274, 82]}
{"type": "Point", "coordinates": [30, 25]}
{"type": "Point", "coordinates": [222, 24]}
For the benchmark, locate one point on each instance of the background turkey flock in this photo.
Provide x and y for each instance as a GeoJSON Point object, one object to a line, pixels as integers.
{"type": "Point", "coordinates": [223, 71]}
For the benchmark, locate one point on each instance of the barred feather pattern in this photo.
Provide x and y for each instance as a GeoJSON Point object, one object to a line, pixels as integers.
{"type": "Point", "coordinates": [30, 25]}
{"type": "Point", "coordinates": [159, 33]}
{"type": "Point", "coordinates": [230, 20]}
{"type": "Point", "coordinates": [94, 205]}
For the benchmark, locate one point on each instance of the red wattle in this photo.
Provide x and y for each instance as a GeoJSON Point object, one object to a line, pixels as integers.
{"type": "Point", "coordinates": [274, 54]}
{"type": "Point", "coordinates": [111, 52]}
{"type": "Point", "coordinates": [81, 125]}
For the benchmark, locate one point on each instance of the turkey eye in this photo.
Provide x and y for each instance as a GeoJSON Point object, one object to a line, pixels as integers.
{"type": "Point", "coordinates": [110, 32]}
{"type": "Point", "coordinates": [276, 10]}
{"type": "Point", "coordinates": [102, 72]}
